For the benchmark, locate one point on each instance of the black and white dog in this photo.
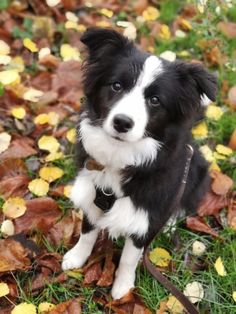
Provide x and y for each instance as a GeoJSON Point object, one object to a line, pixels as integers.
{"type": "Point", "coordinates": [136, 123]}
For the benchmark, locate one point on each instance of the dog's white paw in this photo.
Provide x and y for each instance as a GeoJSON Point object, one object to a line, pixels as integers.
{"type": "Point", "coordinates": [73, 259]}
{"type": "Point", "coordinates": [121, 287]}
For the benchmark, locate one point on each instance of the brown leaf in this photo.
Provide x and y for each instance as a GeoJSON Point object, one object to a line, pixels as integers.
{"type": "Point", "coordinates": [93, 273]}
{"type": "Point", "coordinates": [198, 224]}
{"type": "Point", "coordinates": [42, 81]}
{"type": "Point", "coordinates": [106, 278]}
{"type": "Point", "coordinates": [228, 29]}
{"type": "Point", "coordinates": [221, 184]}
{"type": "Point", "coordinates": [139, 6]}
{"type": "Point", "coordinates": [41, 280]}
{"type": "Point", "coordinates": [19, 148]}
{"type": "Point", "coordinates": [12, 168]}
{"type": "Point", "coordinates": [141, 309]}
{"type": "Point", "coordinates": [211, 204]}
{"type": "Point", "coordinates": [13, 256]}
{"type": "Point", "coordinates": [232, 97]}
{"type": "Point", "coordinates": [232, 211]}
{"type": "Point", "coordinates": [232, 142]}
{"type": "Point", "coordinates": [68, 307]}
{"type": "Point", "coordinates": [42, 213]}
{"type": "Point", "coordinates": [17, 186]}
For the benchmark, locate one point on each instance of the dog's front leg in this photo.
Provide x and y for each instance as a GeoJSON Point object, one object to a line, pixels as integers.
{"type": "Point", "coordinates": [78, 255]}
{"type": "Point", "coordinates": [125, 274]}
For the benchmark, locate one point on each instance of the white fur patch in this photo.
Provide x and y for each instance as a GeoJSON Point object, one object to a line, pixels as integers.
{"type": "Point", "coordinates": [113, 153]}
{"type": "Point", "coordinates": [133, 104]}
{"type": "Point", "coordinates": [125, 274]}
{"type": "Point", "coordinates": [205, 101]}
{"type": "Point", "coordinates": [124, 219]}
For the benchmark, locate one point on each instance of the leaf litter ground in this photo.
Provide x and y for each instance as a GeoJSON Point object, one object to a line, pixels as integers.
{"type": "Point", "coordinates": [41, 94]}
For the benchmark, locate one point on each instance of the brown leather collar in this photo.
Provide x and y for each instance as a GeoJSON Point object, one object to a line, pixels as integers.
{"type": "Point", "coordinates": [92, 164]}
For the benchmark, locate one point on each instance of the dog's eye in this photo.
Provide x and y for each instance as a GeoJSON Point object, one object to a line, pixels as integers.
{"type": "Point", "coordinates": [154, 101]}
{"type": "Point", "coordinates": [116, 87]}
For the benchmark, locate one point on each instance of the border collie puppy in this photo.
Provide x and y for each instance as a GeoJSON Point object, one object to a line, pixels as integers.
{"type": "Point", "coordinates": [135, 125]}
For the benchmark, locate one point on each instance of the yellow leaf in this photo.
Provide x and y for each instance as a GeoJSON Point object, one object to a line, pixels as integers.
{"type": "Point", "coordinates": [39, 187]}
{"type": "Point", "coordinates": [81, 28]}
{"type": "Point", "coordinates": [160, 257]}
{"type": "Point", "coordinates": [165, 32]}
{"type": "Point", "coordinates": [218, 156]}
{"type": "Point", "coordinates": [200, 8]}
{"type": "Point", "coordinates": [68, 52]}
{"type": "Point", "coordinates": [9, 77]}
{"type": "Point", "coordinates": [214, 166]}
{"type": "Point", "coordinates": [17, 63]}
{"type": "Point", "coordinates": [106, 12]}
{"type": "Point", "coordinates": [41, 119]}
{"type": "Point", "coordinates": [53, 118]}
{"type": "Point", "coordinates": [75, 273]}
{"type": "Point", "coordinates": [174, 305]}
{"type": "Point", "coordinates": [103, 24]}
{"type": "Point", "coordinates": [151, 14]}
{"type": "Point", "coordinates": [30, 45]}
{"type": "Point", "coordinates": [180, 34]}
{"type": "Point", "coordinates": [72, 25]}
{"type": "Point", "coordinates": [219, 266]}
{"type": "Point", "coordinates": [24, 308]}
{"type": "Point", "coordinates": [224, 150]}
{"type": "Point", "coordinates": [14, 207]}
{"type": "Point", "coordinates": [5, 140]}
{"type": "Point", "coordinates": [52, 3]}
{"type": "Point", "coordinates": [7, 227]}
{"type": "Point", "coordinates": [45, 307]}
{"type": "Point", "coordinates": [200, 131]}
{"type": "Point", "coordinates": [71, 16]}
{"type": "Point", "coordinates": [234, 296]}
{"type": "Point", "coordinates": [207, 153]}
{"type": "Point", "coordinates": [214, 112]}
{"type": "Point", "coordinates": [33, 94]}
{"type": "Point", "coordinates": [198, 248]}
{"type": "Point", "coordinates": [4, 48]}
{"type": "Point", "coordinates": [44, 52]}
{"type": "Point", "coordinates": [185, 24]}
{"type": "Point", "coordinates": [5, 60]}
{"type": "Point", "coordinates": [4, 289]}
{"type": "Point", "coordinates": [71, 135]}
{"type": "Point", "coordinates": [168, 55]}
{"type": "Point", "coordinates": [54, 156]}
{"type": "Point", "coordinates": [18, 113]}
{"type": "Point", "coordinates": [49, 143]}
{"type": "Point", "coordinates": [50, 174]}
{"type": "Point", "coordinates": [194, 291]}
{"type": "Point", "coordinates": [67, 190]}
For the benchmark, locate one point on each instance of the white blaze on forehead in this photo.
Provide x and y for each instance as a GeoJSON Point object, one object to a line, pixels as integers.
{"type": "Point", "coordinates": [133, 103]}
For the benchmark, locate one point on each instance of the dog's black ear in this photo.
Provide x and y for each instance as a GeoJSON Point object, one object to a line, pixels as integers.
{"type": "Point", "coordinates": [107, 40]}
{"type": "Point", "coordinates": [206, 83]}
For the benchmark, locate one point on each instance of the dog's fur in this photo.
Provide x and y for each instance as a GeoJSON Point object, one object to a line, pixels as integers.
{"type": "Point", "coordinates": [143, 158]}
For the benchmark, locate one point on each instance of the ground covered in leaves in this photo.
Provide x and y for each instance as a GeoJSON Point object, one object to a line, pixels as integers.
{"type": "Point", "coordinates": [41, 94]}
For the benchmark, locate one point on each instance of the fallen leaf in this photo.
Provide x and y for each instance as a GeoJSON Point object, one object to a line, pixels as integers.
{"type": "Point", "coordinates": [4, 48]}
{"type": "Point", "coordinates": [221, 184]}
{"type": "Point", "coordinates": [194, 291]}
{"type": "Point", "coordinates": [198, 248]}
{"type": "Point", "coordinates": [232, 97]}
{"type": "Point", "coordinates": [38, 187]}
{"type": "Point", "coordinates": [200, 131]}
{"type": "Point", "coordinates": [207, 153]}
{"type": "Point", "coordinates": [67, 190]}
{"type": "Point", "coordinates": [231, 217]}
{"type": "Point", "coordinates": [198, 224]}
{"type": "Point", "coordinates": [211, 204]}
{"type": "Point", "coordinates": [232, 142]}
{"type": "Point", "coordinates": [219, 266]}
{"type": "Point", "coordinates": [52, 3]}
{"type": "Point", "coordinates": [234, 296]}
{"type": "Point", "coordinates": [4, 289]}
{"type": "Point", "coordinates": [92, 273]}
{"type": "Point", "coordinates": [150, 14]}
{"type": "Point", "coordinates": [71, 16]}
{"type": "Point", "coordinates": [41, 214]}
{"type": "Point", "coordinates": [29, 44]}
{"type": "Point", "coordinates": [160, 257]}
{"type": "Point", "coordinates": [18, 113]}
{"type": "Point", "coordinates": [50, 174]}
{"type": "Point", "coordinates": [9, 77]}
{"type": "Point", "coordinates": [45, 307]}
{"type": "Point", "coordinates": [5, 140]}
{"type": "Point", "coordinates": [107, 275]}
{"type": "Point", "coordinates": [41, 119]}
{"type": "Point", "coordinates": [19, 148]}
{"type": "Point", "coordinates": [48, 143]}
{"type": "Point", "coordinates": [24, 308]}
{"type": "Point", "coordinates": [214, 112]}
{"type": "Point", "coordinates": [174, 305]}
{"type": "Point", "coordinates": [165, 32]}
{"type": "Point", "coordinates": [224, 150]}
{"type": "Point", "coordinates": [13, 256]}
{"type": "Point", "coordinates": [68, 53]}
{"type": "Point", "coordinates": [71, 306]}
{"type": "Point", "coordinates": [168, 55]}
{"type": "Point", "coordinates": [228, 29]}
{"type": "Point", "coordinates": [7, 228]}
{"type": "Point", "coordinates": [33, 95]}
{"type": "Point", "coordinates": [71, 135]}
{"type": "Point", "coordinates": [44, 52]}
{"type": "Point", "coordinates": [14, 207]}
{"type": "Point", "coordinates": [54, 156]}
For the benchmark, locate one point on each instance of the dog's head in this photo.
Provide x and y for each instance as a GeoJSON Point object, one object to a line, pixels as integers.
{"type": "Point", "coordinates": [132, 94]}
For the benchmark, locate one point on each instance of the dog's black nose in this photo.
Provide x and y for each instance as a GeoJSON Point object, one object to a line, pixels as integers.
{"type": "Point", "coordinates": [122, 123]}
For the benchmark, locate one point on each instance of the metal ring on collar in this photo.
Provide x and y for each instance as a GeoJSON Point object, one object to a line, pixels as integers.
{"type": "Point", "coordinates": [107, 194]}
